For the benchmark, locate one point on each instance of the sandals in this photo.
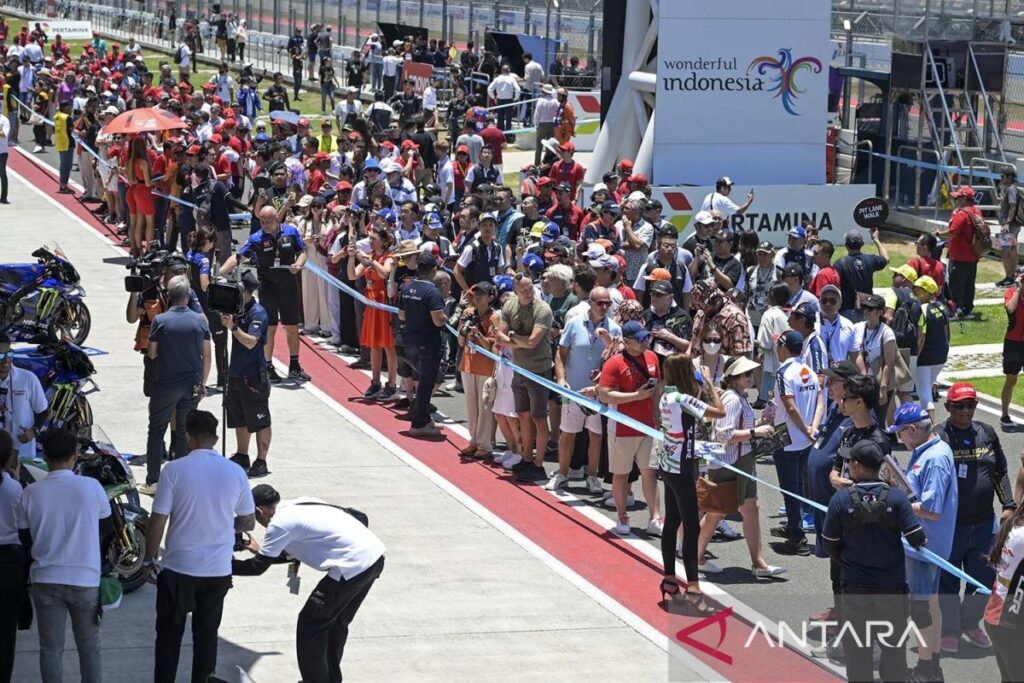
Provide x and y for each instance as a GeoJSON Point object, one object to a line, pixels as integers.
{"type": "Point", "coordinates": [691, 602]}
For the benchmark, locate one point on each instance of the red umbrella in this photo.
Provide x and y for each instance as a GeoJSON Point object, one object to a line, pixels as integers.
{"type": "Point", "coordinates": [143, 120]}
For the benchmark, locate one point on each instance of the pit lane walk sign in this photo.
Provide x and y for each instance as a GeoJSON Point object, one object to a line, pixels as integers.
{"type": "Point", "coordinates": [871, 213]}
{"type": "Point", "coordinates": [742, 91]}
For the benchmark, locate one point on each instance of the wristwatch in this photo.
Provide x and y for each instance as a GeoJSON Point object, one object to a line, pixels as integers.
{"type": "Point", "coordinates": [751, 434]}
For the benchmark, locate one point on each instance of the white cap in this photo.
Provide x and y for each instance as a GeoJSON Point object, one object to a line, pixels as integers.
{"type": "Point", "coordinates": [112, 110]}
{"type": "Point", "coordinates": [391, 167]}
{"type": "Point", "coordinates": [704, 218]}
{"type": "Point", "coordinates": [353, 89]}
{"type": "Point", "coordinates": [595, 251]}
{"type": "Point", "coordinates": [600, 187]}
{"type": "Point", "coordinates": [633, 196]}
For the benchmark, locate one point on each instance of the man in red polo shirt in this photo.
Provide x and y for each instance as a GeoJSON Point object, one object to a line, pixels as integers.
{"type": "Point", "coordinates": [963, 263]}
{"type": "Point", "coordinates": [1013, 344]}
{"type": "Point", "coordinates": [568, 170]}
{"type": "Point", "coordinates": [565, 212]}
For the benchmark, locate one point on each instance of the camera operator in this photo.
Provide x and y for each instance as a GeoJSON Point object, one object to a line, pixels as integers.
{"type": "Point", "coordinates": [279, 254]}
{"type": "Point", "coordinates": [180, 354]}
{"type": "Point", "coordinates": [246, 401]}
{"type": "Point", "coordinates": [327, 538]}
{"type": "Point", "coordinates": [201, 243]}
{"type": "Point", "coordinates": [151, 301]}
{"type": "Point", "coordinates": [207, 501]}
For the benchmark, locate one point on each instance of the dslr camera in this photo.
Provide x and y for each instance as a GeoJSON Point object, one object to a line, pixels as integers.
{"type": "Point", "coordinates": [145, 271]}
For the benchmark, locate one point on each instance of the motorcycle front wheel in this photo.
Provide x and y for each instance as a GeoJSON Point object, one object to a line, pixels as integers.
{"type": "Point", "coordinates": [128, 565]}
{"type": "Point", "coordinates": [83, 418]}
{"type": "Point", "coordinates": [71, 321]}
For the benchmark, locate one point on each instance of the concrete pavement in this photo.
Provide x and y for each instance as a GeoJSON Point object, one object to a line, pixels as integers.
{"type": "Point", "coordinates": [459, 599]}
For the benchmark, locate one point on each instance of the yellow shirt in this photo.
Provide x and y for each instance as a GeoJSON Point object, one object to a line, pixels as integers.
{"type": "Point", "coordinates": [61, 133]}
{"type": "Point", "coordinates": [326, 144]}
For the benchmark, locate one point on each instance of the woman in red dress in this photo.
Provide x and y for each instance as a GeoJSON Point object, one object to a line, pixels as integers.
{"type": "Point", "coordinates": [376, 334]}
{"type": "Point", "coordinates": [141, 208]}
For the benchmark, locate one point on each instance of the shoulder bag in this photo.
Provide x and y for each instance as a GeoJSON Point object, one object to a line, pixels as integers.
{"type": "Point", "coordinates": [719, 497]}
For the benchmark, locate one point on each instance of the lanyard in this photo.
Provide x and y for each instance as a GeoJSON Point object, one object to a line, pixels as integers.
{"type": "Point", "coordinates": [868, 340]}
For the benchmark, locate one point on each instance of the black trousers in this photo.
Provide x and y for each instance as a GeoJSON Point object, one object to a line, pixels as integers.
{"type": "Point", "coordinates": [177, 595]}
{"type": "Point", "coordinates": [322, 629]}
{"type": "Point", "coordinates": [505, 115]}
{"type": "Point", "coordinates": [1009, 653]}
{"type": "Point", "coordinates": [962, 275]}
{"type": "Point", "coordinates": [681, 508]}
{"type": "Point", "coordinates": [425, 358]}
{"type": "Point", "coordinates": [3, 177]}
{"type": "Point", "coordinates": [861, 604]}
{"type": "Point", "coordinates": [13, 592]}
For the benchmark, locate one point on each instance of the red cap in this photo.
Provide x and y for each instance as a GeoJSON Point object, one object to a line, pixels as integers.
{"type": "Point", "coordinates": [637, 179]}
{"type": "Point", "coordinates": [216, 139]}
{"type": "Point", "coordinates": [387, 144]}
{"type": "Point", "coordinates": [626, 164]}
{"type": "Point", "coordinates": [409, 144]}
{"type": "Point", "coordinates": [194, 150]}
{"type": "Point", "coordinates": [545, 181]}
{"type": "Point", "coordinates": [462, 149]}
{"type": "Point", "coordinates": [321, 156]}
{"type": "Point", "coordinates": [354, 136]}
{"type": "Point", "coordinates": [217, 99]}
{"type": "Point", "coordinates": [343, 185]}
{"type": "Point", "coordinates": [209, 87]}
{"type": "Point", "coordinates": [659, 274]}
{"type": "Point", "coordinates": [962, 391]}
{"type": "Point", "coordinates": [304, 122]}
{"type": "Point", "coordinates": [567, 146]}
{"type": "Point", "coordinates": [229, 123]}
{"type": "Point", "coordinates": [228, 113]}
{"type": "Point", "coordinates": [965, 192]}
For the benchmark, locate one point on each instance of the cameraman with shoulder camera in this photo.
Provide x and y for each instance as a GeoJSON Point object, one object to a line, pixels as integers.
{"type": "Point", "coordinates": [147, 293]}
{"type": "Point", "coordinates": [179, 350]}
{"type": "Point", "coordinates": [246, 400]}
{"type": "Point", "coordinates": [279, 254]}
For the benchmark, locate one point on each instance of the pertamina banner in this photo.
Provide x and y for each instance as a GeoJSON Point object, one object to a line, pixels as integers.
{"type": "Point", "coordinates": [742, 91]}
{"type": "Point", "coordinates": [68, 30]}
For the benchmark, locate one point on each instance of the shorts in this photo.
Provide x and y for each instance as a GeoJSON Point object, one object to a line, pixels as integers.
{"type": "Point", "coordinates": [1013, 357]}
{"type": "Point", "coordinates": [140, 200]}
{"type": "Point", "coordinates": [247, 404]}
{"type": "Point", "coordinates": [531, 397]}
{"type": "Point", "coordinates": [574, 420]}
{"type": "Point", "coordinates": [746, 487]}
{"type": "Point", "coordinates": [624, 450]}
{"type": "Point", "coordinates": [922, 579]}
{"type": "Point", "coordinates": [280, 296]}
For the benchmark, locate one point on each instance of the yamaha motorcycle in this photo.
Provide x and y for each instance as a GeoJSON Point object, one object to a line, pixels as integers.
{"type": "Point", "coordinates": [100, 460]}
{"type": "Point", "coordinates": [43, 300]}
{"type": "Point", "coordinates": [65, 371]}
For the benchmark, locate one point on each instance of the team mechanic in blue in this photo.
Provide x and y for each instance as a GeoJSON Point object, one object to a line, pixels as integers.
{"type": "Point", "coordinates": [247, 398]}
{"type": "Point", "coordinates": [279, 254]}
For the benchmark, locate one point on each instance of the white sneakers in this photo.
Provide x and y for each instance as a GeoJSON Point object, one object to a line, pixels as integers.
{"type": "Point", "coordinates": [709, 567]}
{"type": "Point", "coordinates": [501, 457]}
{"type": "Point", "coordinates": [609, 500]}
{"type": "Point", "coordinates": [767, 572]}
{"type": "Point", "coordinates": [622, 528]}
{"type": "Point", "coordinates": [655, 526]}
{"type": "Point", "coordinates": [577, 474]}
{"type": "Point", "coordinates": [594, 485]}
{"type": "Point", "coordinates": [511, 461]}
{"type": "Point", "coordinates": [148, 489]}
{"type": "Point", "coordinates": [557, 481]}
{"type": "Point", "coordinates": [725, 530]}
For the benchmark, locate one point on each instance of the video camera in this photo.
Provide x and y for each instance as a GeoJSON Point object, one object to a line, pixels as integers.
{"type": "Point", "coordinates": [145, 271]}
{"type": "Point", "coordinates": [226, 297]}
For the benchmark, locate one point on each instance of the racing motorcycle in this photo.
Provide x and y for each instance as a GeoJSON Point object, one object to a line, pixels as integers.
{"type": "Point", "coordinates": [100, 460]}
{"type": "Point", "coordinates": [65, 371]}
{"type": "Point", "coordinates": [43, 300]}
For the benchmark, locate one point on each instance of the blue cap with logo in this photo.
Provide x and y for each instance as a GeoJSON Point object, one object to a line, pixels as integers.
{"type": "Point", "coordinates": [635, 330]}
{"type": "Point", "coordinates": [503, 283]}
{"type": "Point", "coordinates": [792, 340]}
{"type": "Point", "coordinates": [433, 221]}
{"type": "Point", "coordinates": [798, 232]}
{"type": "Point", "coordinates": [370, 163]}
{"type": "Point", "coordinates": [551, 233]}
{"type": "Point", "coordinates": [533, 262]}
{"type": "Point", "coordinates": [906, 415]}
{"type": "Point", "coordinates": [387, 214]}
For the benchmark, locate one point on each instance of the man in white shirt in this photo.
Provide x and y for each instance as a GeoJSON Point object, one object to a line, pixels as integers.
{"type": "Point", "coordinates": [207, 499]}
{"type": "Point", "coordinates": [224, 84]}
{"type": "Point", "coordinates": [329, 539]}
{"type": "Point", "coordinates": [23, 404]}
{"type": "Point", "coordinates": [505, 89]}
{"type": "Point", "coordinates": [719, 200]}
{"type": "Point", "coordinates": [391, 67]}
{"type": "Point", "coordinates": [544, 114]}
{"type": "Point", "coordinates": [800, 406]}
{"type": "Point", "coordinates": [533, 76]}
{"type": "Point", "coordinates": [836, 331]}
{"type": "Point", "coordinates": [348, 108]}
{"type": "Point", "coordinates": [186, 59]}
{"type": "Point", "coordinates": [58, 520]}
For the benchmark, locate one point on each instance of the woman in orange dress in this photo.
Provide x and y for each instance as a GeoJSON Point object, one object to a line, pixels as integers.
{"type": "Point", "coordinates": [376, 334]}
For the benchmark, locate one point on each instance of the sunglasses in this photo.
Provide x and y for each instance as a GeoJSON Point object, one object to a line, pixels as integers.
{"type": "Point", "coordinates": [714, 340]}
{"type": "Point", "coordinates": [851, 398]}
{"type": "Point", "coordinates": [603, 303]}
{"type": "Point", "coordinates": [963, 405]}
{"type": "Point", "coordinates": [6, 355]}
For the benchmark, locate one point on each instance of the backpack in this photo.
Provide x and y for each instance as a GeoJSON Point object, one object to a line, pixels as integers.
{"type": "Point", "coordinates": [1016, 212]}
{"type": "Point", "coordinates": [179, 54]}
{"type": "Point", "coordinates": [904, 328]}
{"type": "Point", "coordinates": [874, 511]}
{"type": "Point", "coordinates": [981, 238]}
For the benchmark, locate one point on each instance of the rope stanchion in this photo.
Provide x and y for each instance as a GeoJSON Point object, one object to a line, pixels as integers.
{"type": "Point", "coordinates": [613, 414]}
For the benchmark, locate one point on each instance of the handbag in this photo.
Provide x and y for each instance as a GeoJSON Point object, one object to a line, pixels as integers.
{"type": "Point", "coordinates": [902, 368]}
{"type": "Point", "coordinates": [717, 497]}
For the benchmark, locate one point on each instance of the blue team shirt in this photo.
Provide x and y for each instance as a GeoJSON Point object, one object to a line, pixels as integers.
{"type": "Point", "coordinates": [200, 260]}
{"type": "Point", "coordinates": [932, 477]}
{"type": "Point", "coordinates": [262, 246]}
{"type": "Point", "coordinates": [249, 362]}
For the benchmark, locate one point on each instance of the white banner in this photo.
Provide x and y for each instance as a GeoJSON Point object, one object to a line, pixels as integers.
{"type": "Point", "coordinates": [68, 30]}
{"type": "Point", "coordinates": [742, 91]}
{"type": "Point", "coordinates": [587, 106]}
{"type": "Point", "coordinates": [776, 208]}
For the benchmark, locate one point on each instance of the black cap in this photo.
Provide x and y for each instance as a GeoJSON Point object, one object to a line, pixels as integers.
{"type": "Point", "coordinates": [484, 287]}
{"type": "Point", "coordinates": [563, 187]}
{"type": "Point", "coordinates": [792, 270]}
{"type": "Point", "coordinates": [250, 280]}
{"type": "Point", "coordinates": [176, 262]}
{"type": "Point", "coordinates": [611, 207]}
{"type": "Point", "coordinates": [653, 204]}
{"type": "Point", "coordinates": [843, 370]}
{"type": "Point", "coordinates": [867, 453]}
{"type": "Point", "coordinates": [661, 287]}
{"type": "Point", "coordinates": [874, 301]}
{"type": "Point", "coordinates": [854, 238]}
{"type": "Point", "coordinates": [765, 245]}
{"type": "Point", "coordinates": [806, 310]}
{"type": "Point", "coordinates": [426, 262]}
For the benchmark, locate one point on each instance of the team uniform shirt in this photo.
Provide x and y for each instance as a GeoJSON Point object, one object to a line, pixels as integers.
{"type": "Point", "coordinates": [586, 348]}
{"type": "Point", "coordinates": [839, 336]}
{"type": "Point", "coordinates": [323, 537]}
{"type": "Point", "coordinates": [815, 354]}
{"type": "Point", "coordinates": [262, 247]}
{"type": "Point", "coordinates": [935, 326]}
{"type": "Point", "coordinates": [246, 362]}
{"type": "Point", "coordinates": [932, 478]}
{"type": "Point", "coordinates": [981, 471]}
{"type": "Point", "coordinates": [618, 374]}
{"type": "Point", "coordinates": [202, 493]}
{"type": "Point", "coordinates": [21, 398]}
{"type": "Point", "coordinates": [797, 380]}
{"type": "Point", "coordinates": [679, 414]}
{"type": "Point", "coordinates": [1005, 604]}
{"type": "Point", "coordinates": [63, 512]}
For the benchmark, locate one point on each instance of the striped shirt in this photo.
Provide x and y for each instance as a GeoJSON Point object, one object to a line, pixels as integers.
{"type": "Point", "coordinates": [738, 416]}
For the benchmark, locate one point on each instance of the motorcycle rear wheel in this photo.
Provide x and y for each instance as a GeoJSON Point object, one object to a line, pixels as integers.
{"type": "Point", "coordinates": [72, 321]}
{"type": "Point", "coordinates": [129, 570]}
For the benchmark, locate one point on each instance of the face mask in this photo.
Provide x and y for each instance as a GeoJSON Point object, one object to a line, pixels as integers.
{"type": "Point", "coordinates": [712, 347]}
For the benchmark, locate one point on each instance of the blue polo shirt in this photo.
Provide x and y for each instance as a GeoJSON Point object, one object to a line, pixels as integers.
{"type": "Point", "coordinates": [585, 348]}
{"type": "Point", "coordinates": [932, 477]}
{"type": "Point", "coordinates": [249, 362]}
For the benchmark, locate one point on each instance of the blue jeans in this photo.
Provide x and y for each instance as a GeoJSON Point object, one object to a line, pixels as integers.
{"type": "Point", "coordinates": [791, 467]}
{"type": "Point", "coordinates": [970, 543]}
{"type": "Point", "coordinates": [53, 603]}
{"type": "Point", "coordinates": [67, 160]}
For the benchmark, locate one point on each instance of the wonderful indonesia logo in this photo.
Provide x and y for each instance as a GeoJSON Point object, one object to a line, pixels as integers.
{"type": "Point", "coordinates": [779, 74]}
